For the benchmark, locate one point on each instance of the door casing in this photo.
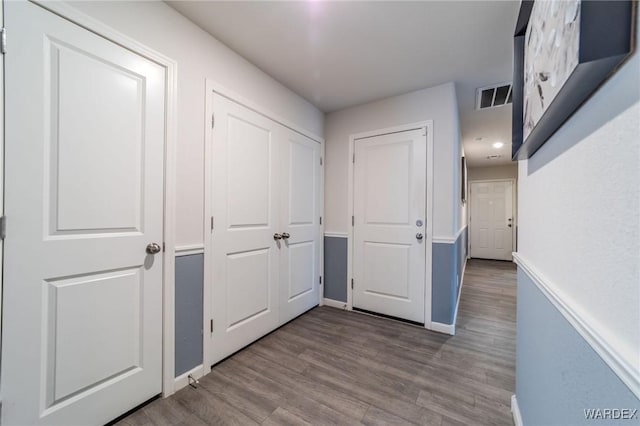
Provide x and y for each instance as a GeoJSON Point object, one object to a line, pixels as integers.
{"type": "Point", "coordinates": [428, 125]}
{"type": "Point", "coordinates": [75, 16]}
{"type": "Point", "coordinates": [514, 208]}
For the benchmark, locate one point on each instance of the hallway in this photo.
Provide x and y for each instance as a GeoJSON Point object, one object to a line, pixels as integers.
{"type": "Point", "coordinates": [335, 367]}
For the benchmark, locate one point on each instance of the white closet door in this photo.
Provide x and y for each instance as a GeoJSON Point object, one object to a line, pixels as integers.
{"type": "Point", "coordinates": [246, 209]}
{"type": "Point", "coordinates": [389, 208]}
{"type": "Point", "coordinates": [300, 225]}
{"type": "Point", "coordinates": [82, 336]}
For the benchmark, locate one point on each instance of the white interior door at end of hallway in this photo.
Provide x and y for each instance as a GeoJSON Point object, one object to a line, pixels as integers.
{"type": "Point", "coordinates": [246, 209]}
{"type": "Point", "coordinates": [389, 254]}
{"type": "Point", "coordinates": [82, 329]}
{"type": "Point", "coordinates": [492, 220]}
{"type": "Point", "coordinates": [300, 200]}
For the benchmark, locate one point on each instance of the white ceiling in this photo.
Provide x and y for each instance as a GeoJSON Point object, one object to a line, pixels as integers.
{"type": "Point", "coordinates": [339, 54]}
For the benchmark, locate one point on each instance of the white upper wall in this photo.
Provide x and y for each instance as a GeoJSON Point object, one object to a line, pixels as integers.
{"type": "Point", "coordinates": [579, 223]}
{"type": "Point", "coordinates": [461, 207]}
{"type": "Point", "coordinates": [199, 56]}
{"type": "Point", "coordinates": [438, 104]}
{"type": "Point", "coordinates": [509, 171]}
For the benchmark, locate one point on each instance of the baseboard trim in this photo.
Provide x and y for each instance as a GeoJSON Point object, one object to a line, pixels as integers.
{"type": "Point", "coordinates": [183, 380]}
{"type": "Point", "coordinates": [443, 328]}
{"type": "Point", "coordinates": [334, 303]}
{"type": "Point", "coordinates": [515, 411]}
{"type": "Point", "coordinates": [625, 370]}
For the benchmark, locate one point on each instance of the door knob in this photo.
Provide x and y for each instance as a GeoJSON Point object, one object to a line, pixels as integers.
{"type": "Point", "coordinates": [419, 235]}
{"type": "Point", "coordinates": [277, 236]}
{"type": "Point", "coordinates": [285, 235]}
{"type": "Point", "coordinates": [153, 248]}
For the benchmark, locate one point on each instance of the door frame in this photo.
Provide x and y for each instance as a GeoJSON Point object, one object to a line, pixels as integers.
{"type": "Point", "coordinates": [212, 88]}
{"type": "Point", "coordinates": [95, 26]}
{"type": "Point", "coordinates": [514, 210]}
{"type": "Point", "coordinates": [428, 125]}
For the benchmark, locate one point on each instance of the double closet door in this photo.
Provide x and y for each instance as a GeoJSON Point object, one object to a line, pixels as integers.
{"type": "Point", "coordinates": [266, 226]}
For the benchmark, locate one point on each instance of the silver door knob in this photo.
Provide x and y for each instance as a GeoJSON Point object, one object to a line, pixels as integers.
{"type": "Point", "coordinates": [277, 236]}
{"type": "Point", "coordinates": [285, 235]}
{"type": "Point", "coordinates": [419, 235]}
{"type": "Point", "coordinates": [153, 248]}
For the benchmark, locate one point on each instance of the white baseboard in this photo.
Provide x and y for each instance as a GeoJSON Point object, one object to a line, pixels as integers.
{"type": "Point", "coordinates": [183, 380]}
{"type": "Point", "coordinates": [627, 370]}
{"type": "Point", "coordinates": [515, 411]}
{"type": "Point", "coordinates": [443, 328]}
{"type": "Point", "coordinates": [334, 303]}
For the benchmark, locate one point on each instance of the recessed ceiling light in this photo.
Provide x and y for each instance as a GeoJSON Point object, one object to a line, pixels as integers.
{"type": "Point", "coordinates": [498, 145]}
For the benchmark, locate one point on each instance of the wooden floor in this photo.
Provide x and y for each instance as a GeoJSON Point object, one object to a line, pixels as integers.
{"type": "Point", "coordinates": [336, 367]}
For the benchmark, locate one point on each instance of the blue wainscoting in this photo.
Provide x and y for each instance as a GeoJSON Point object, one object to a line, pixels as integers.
{"type": "Point", "coordinates": [335, 268]}
{"type": "Point", "coordinates": [446, 278]}
{"type": "Point", "coordinates": [448, 263]}
{"type": "Point", "coordinates": [558, 374]}
{"type": "Point", "coordinates": [188, 332]}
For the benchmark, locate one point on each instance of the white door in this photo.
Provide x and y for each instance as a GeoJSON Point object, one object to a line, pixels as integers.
{"type": "Point", "coordinates": [246, 209]}
{"type": "Point", "coordinates": [389, 224]}
{"type": "Point", "coordinates": [491, 220]}
{"type": "Point", "coordinates": [82, 329]}
{"type": "Point", "coordinates": [300, 225]}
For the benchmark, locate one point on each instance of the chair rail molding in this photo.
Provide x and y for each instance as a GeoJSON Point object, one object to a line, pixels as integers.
{"type": "Point", "coordinates": [612, 356]}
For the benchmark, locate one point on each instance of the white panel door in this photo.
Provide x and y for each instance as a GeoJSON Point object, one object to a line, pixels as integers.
{"type": "Point", "coordinates": [82, 329]}
{"type": "Point", "coordinates": [492, 220]}
{"type": "Point", "coordinates": [389, 207]}
{"type": "Point", "coordinates": [300, 226]}
{"type": "Point", "coordinates": [246, 208]}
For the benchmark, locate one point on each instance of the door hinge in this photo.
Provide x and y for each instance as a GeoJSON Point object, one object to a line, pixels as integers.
{"type": "Point", "coordinates": [320, 220]}
{"type": "Point", "coordinates": [3, 40]}
{"type": "Point", "coordinates": [212, 223]}
{"type": "Point", "coordinates": [353, 221]}
{"type": "Point", "coordinates": [3, 227]}
{"type": "Point", "coordinates": [351, 283]}
{"type": "Point", "coordinates": [353, 159]}
{"type": "Point", "coordinates": [320, 281]}
{"type": "Point", "coordinates": [213, 121]}
{"type": "Point", "coordinates": [321, 161]}
{"type": "Point", "coordinates": [211, 325]}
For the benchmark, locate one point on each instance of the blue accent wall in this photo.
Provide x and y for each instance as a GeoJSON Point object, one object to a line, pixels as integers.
{"type": "Point", "coordinates": [558, 374]}
{"type": "Point", "coordinates": [461, 247]}
{"type": "Point", "coordinates": [443, 285]}
{"type": "Point", "coordinates": [335, 268]}
{"type": "Point", "coordinates": [446, 277]}
{"type": "Point", "coordinates": [188, 315]}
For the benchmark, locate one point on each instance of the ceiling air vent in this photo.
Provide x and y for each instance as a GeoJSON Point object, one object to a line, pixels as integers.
{"type": "Point", "coordinates": [493, 157]}
{"type": "Point", "coordinates": [493, 96]}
